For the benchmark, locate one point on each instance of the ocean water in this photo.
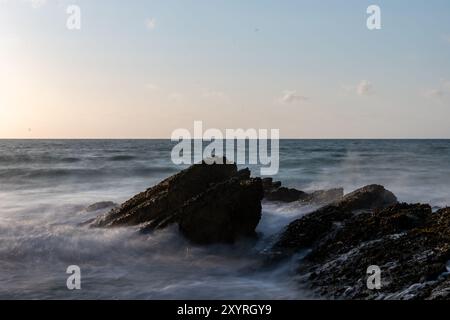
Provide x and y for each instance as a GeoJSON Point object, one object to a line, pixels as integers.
{"type": "Point", "coordinates": [45, 186]}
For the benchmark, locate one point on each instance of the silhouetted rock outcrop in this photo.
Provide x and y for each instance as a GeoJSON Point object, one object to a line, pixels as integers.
{"type": "Point", "coordinates": [210, 203]}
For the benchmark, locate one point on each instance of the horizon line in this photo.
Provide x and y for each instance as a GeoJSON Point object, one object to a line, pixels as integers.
{"type": "Point", "coordinates": [288, 138]}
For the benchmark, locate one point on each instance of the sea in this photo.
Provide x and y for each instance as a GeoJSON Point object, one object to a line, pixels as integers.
{"type": "Point", "coordinates": [46, 186]}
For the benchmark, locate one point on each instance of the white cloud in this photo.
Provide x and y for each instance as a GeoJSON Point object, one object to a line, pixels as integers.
{"type": "Point", "coordinates": [433, 93]}
{"type": "Point", "coordinates": [363, 88]}
{"type": "Point", "coordinates": [439, 92]}
{"type": "Point", "coordinates": [291, 97]}
{"type": "Point", "coordinates": [150, 23]}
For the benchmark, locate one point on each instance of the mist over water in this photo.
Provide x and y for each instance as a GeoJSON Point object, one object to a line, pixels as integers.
{"type": "Point", "coordinates": [46, 185]}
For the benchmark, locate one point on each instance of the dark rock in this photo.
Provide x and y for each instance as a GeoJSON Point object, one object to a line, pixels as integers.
{"type": "Point", "coordinates": [101, 206]}
{"type": "Point", "coordinates": [273, 191]}
{"type": "Point", "coordinates": [304, 232]}
{"type": "Point", "coordinates": [210, 203]}
{"type": "Point", "coordinates": [440, 291]}
{"type": "Point", "coordinates": [276, 184]}
{"type": "Point", "coordinates": [371, 225]}
{"type": "Point", "coordinates": [223, 213]}
{"type": "Point", "coordinates": [409, 243]}
{"type": "Point", "coordinates": [366, 198]}
{"type": "Point", "coordinates": [283, 194]}
{"type": "Point", "coordinates": [322, 197]}
{"type": "Point", "coordinates": [167, 196]}
{"type": "Point", "coordinates": [269, 185]}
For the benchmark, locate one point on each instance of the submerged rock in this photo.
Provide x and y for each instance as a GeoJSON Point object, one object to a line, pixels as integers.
{"type": "Point", "coordinates": [210, 203]}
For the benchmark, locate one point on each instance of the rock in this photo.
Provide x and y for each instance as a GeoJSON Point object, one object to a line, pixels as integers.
{"type": "Point", "coordinates": [101, 206]}
{"type": "Point", "coordinates": [441, 291]}
{"type": "Point", "coordinates": [371, 225]}
{"type": "Point", "coordinates": [223, 213]}
{"type": "Point", "coordinates": [409, 243]}
{"type": "Point", "coordinates": [269, 185]}
{"type": "Point", "coordinates": [285, 195]}
{"type": "Point", "coordinates": [304, 232]}
{"type": "Point", "coordinates": [369, 197]}
{"type": "Point", "coordinates": [323, 197]}
{"type": "Point", "coordinates": [210, 203]}
{"type": "Point", "coordinates": [167, 196]}
{"type": "Point", "coordinates": [273, 191]}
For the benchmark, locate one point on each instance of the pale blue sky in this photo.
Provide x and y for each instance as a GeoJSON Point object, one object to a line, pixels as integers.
{"type": "Point", "coordinates": [310, 68]}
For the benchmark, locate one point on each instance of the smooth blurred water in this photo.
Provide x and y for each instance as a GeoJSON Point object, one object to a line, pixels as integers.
{"type": "Point", "coordinates": [46, 184]}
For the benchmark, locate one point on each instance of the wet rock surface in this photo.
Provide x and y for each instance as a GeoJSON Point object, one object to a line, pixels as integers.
{"type": "Point", "coordinates": [101, 206]}
{"type": "Point", "coordinates": [304, 232]}
{"type": "Point", "coordinates": [323, 197]}
{"type": "Point", "coordinates": [284, 194]}
{"type": "Point", "coordinates": [273, 191]}
{"type": "Point", "coordinates": [408, 242]}
{"type": "Point", "coordinates": [210, 203]}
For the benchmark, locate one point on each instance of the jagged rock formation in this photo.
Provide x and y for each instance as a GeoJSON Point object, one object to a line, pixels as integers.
{"type": "Point", "coordinates": [210, 203]}
{"type": "Point", "coordinates": [273, 191]}
{"type": "Point", "coordinates": [408, 242]}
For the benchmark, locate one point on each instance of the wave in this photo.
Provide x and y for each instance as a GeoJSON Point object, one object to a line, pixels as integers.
{"type": "Point", "coordinates": [122, 158]}
{"type": "Point", "coordinates": [43, 194]}
{"type": "Point", "coordinates": [46, 173]}
{"type": "Point", "coordinates": [28, 175]}
{"type": "Point", "coordinates": [31, 159]}
{"type": "Point", "coordinates": [122, 263]}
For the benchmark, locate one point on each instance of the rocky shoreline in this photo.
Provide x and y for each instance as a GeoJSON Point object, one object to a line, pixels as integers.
{"type": "Point", "coordinates": [348, 233]}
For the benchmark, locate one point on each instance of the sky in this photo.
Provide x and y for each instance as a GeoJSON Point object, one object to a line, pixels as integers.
{"type": "Point", "coordinates": [141, 69]}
